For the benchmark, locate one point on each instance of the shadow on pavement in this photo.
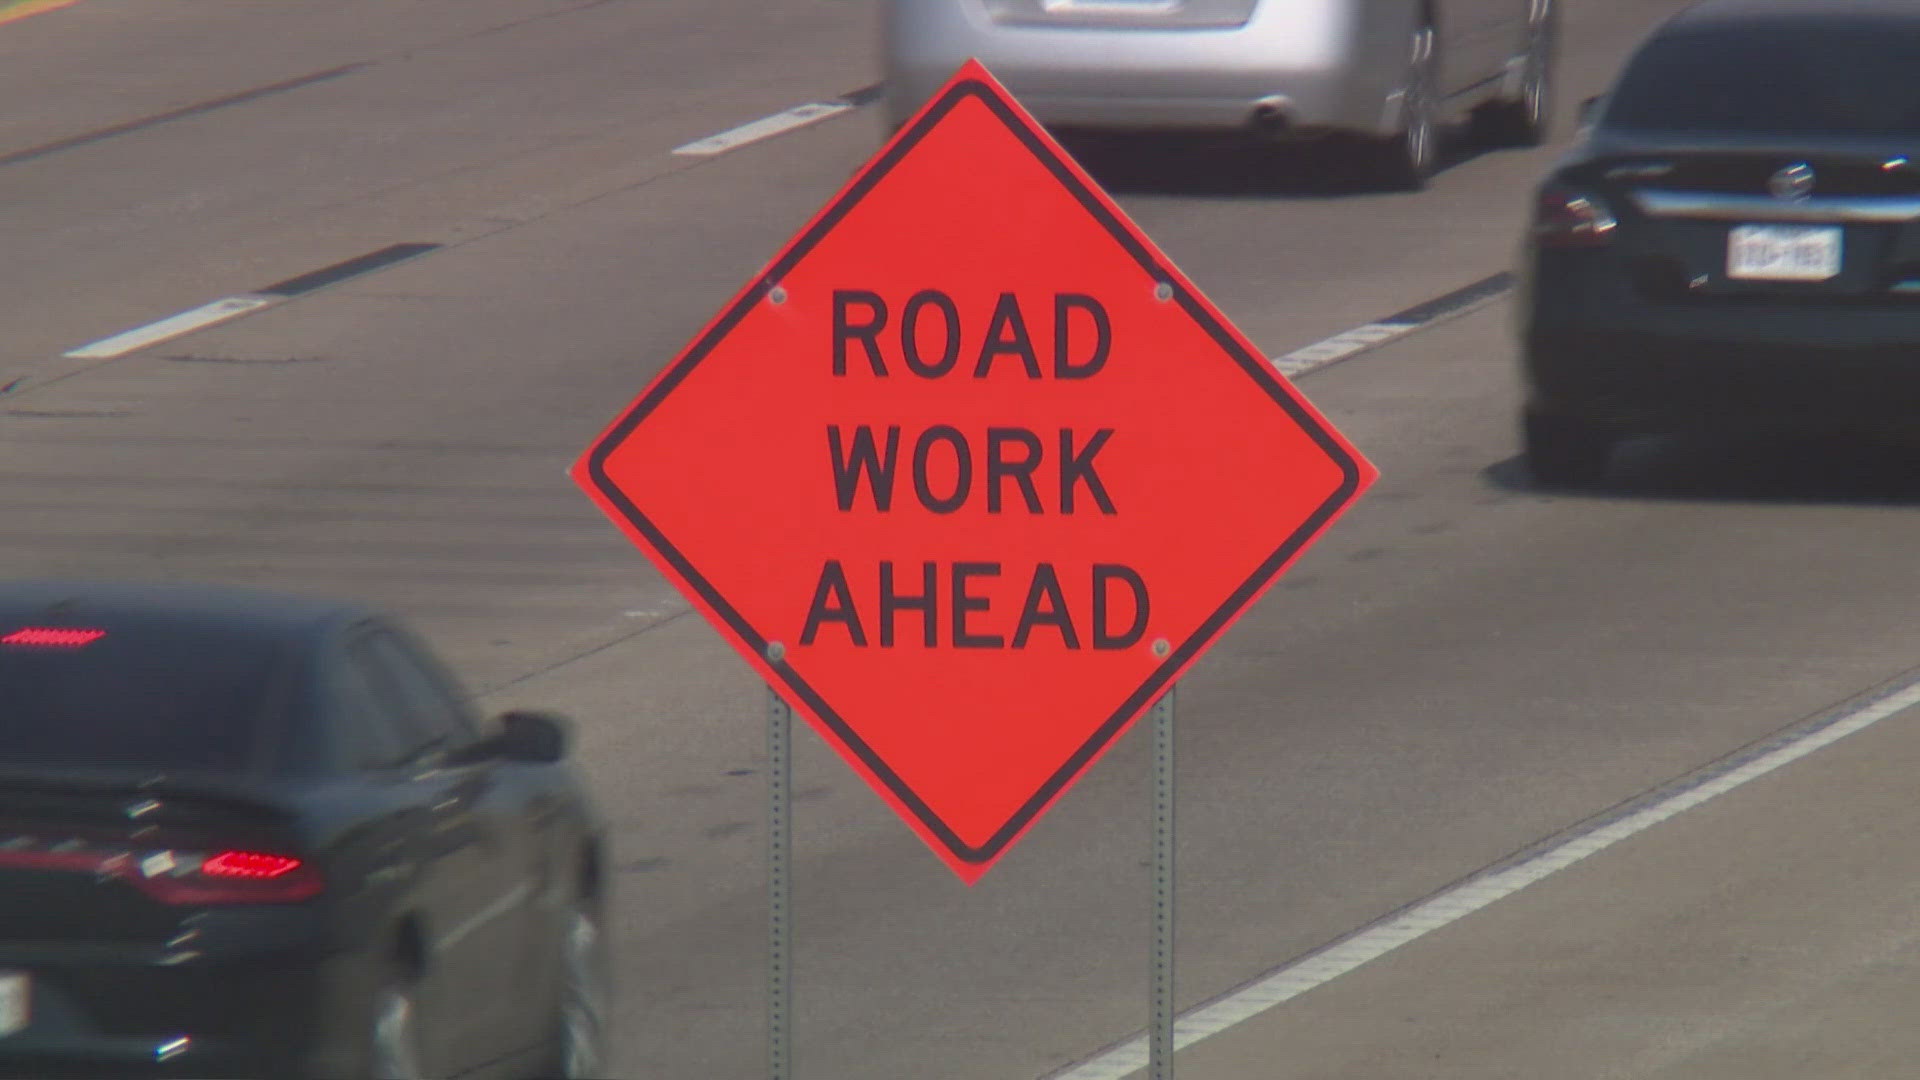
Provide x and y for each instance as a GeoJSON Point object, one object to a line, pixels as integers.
{"type": "Point", "coordinates": [1172, 164]}
{"type": "Point", "coordinates": [1786, 469]}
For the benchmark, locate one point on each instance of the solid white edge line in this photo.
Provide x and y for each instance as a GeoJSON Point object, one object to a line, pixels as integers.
{"type": "Point", "coordinates": [171, 327]}
{"type": "Point", "coordinates": [764, 128]}
{"type": "Point", "coordinates": [1464, 899]}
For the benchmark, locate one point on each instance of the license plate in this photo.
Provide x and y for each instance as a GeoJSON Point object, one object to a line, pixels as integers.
{"type": "Point", "coordinates": [1784, 252]}
{"type": "Point", "coordinates": [13, 1002]}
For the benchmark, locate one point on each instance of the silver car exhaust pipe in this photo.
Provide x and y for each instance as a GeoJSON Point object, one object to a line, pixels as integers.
{"type": "Point", "coordinates": [1270, 117]}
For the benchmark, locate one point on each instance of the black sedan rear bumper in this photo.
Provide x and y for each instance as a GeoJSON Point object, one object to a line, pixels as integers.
{"type": "Point", "coordinates": [1596, 349]}
{"type": "Point", "coordinates": [276, 1014]}
{"type": "Point", "coordinates": [74, 1058]}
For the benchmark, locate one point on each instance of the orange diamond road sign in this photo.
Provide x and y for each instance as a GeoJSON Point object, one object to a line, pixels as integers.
{"type": "Point", "coordinates": [970, 473]}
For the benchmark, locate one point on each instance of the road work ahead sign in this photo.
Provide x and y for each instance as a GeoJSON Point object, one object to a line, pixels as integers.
{"type": "Point", "coordinates": [971, 473]}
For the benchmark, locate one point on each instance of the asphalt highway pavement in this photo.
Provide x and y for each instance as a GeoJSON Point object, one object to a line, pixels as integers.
{"type": "Point", "coordinates": [1466, 668]}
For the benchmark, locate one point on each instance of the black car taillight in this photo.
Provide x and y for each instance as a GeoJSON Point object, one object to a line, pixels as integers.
{"type": "Point", "coordinates": [52, 637]}
{"type": "Point", "coordinates": [207, 875]}
{"type": "Point", "coordinates": [1565, 217]}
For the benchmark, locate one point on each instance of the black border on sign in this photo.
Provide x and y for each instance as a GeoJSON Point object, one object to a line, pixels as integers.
{"type": "Point", "coordinates": [1199, 310]}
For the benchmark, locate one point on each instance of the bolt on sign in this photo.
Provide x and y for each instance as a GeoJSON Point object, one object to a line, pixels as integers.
{"type": "Point", "coordinates": [970, 473]}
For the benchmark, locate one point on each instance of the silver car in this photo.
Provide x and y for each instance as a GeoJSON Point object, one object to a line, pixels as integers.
{"type": "Point", "coordinates": [1392, 71]}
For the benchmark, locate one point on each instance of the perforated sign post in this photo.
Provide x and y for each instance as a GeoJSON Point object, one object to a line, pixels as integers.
{"type": "Point", "coordinates": [970, 473]}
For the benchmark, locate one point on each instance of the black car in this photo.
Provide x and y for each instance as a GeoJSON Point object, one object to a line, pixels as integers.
{"type": "Point", "coordinates": [244, 834]}
{"type": "Point", "coordinates": [1735, 241]}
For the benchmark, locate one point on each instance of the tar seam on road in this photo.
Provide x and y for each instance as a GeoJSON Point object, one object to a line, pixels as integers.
{"type": "Point", "coordinates": [347, 268]}
{"type": "Point", "coordinates": [244, 96]}
{"type": "Point", "coordinates": [779, 123]}
{"type": "Point", "coordinates": [1416, 920]}
{"type": "Point", "coordinates": [591, 650]}
{"type": "Point", "coordinates": [232, 307]}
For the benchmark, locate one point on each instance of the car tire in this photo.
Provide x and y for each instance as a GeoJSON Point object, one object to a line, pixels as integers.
{"type": "Point", "coordinates": [1404, 161]}
{"type": "Point", "coordinates": [393, 1034]}
{"type": "Point", "coordinates": [578, 1042]}
{"type": "Point", "coordinates": [1526, 119]}
{"type": "Point", "coordinates": [1560, 450]}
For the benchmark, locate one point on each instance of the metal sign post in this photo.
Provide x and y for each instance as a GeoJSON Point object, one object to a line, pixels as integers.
{"type": "Point", "coordinates": [779, 901]}
{"type": "Point", "coordinates": [1160, 1037]}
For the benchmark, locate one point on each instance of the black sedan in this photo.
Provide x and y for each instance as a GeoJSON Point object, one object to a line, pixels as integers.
{"type": "Point", "coordinates": [1735, 241]}
{"type": "Point", "coordinates": [244, 834]}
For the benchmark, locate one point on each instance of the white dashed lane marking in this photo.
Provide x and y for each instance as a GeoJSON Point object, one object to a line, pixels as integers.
{"type": "Point", "coordinates": [233, 307]}
{"type": "Point", "coordinates": [1340, 346]}
{"type": "Point", "coordinates": [186, 322]}
{"type": "Point", "coordinates": [1351, 343]}
{"type": "Point", "coordinates": [768, 126]}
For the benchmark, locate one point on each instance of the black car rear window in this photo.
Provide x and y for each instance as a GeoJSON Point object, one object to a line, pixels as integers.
{"type": "Point", "coordinates": [147, 695]}
{"type": "Point", "coordinates": [1817, 76]}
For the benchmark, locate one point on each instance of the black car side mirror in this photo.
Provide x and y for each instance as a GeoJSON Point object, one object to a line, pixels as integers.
{"type": "Point", "coordinates": [1590, 109]}
{"type": "Point", "coordinates": [536, 737]}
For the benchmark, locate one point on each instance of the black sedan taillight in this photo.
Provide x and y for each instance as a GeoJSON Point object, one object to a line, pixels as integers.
{"type": "Point", "coordinates": [205, 874]}
{"type": "Point", "coordinates": [1567, 217]}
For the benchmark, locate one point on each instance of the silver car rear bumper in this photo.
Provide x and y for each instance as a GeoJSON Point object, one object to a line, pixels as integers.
{"type": "Point", "coordinates": [1298, 66]}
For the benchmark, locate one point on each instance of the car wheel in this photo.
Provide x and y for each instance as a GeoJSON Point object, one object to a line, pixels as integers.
{"type": "Point", "coordinates": [1525, 120]}
{"type": "Point", "coordinates": [1405, 161]}
{"type": "Point", "coordinates": [579, 1032]}
{"type": "Point", "coordinates": [394, 1038]}
{"type": "Point", "coordinates": [1564, 451]}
